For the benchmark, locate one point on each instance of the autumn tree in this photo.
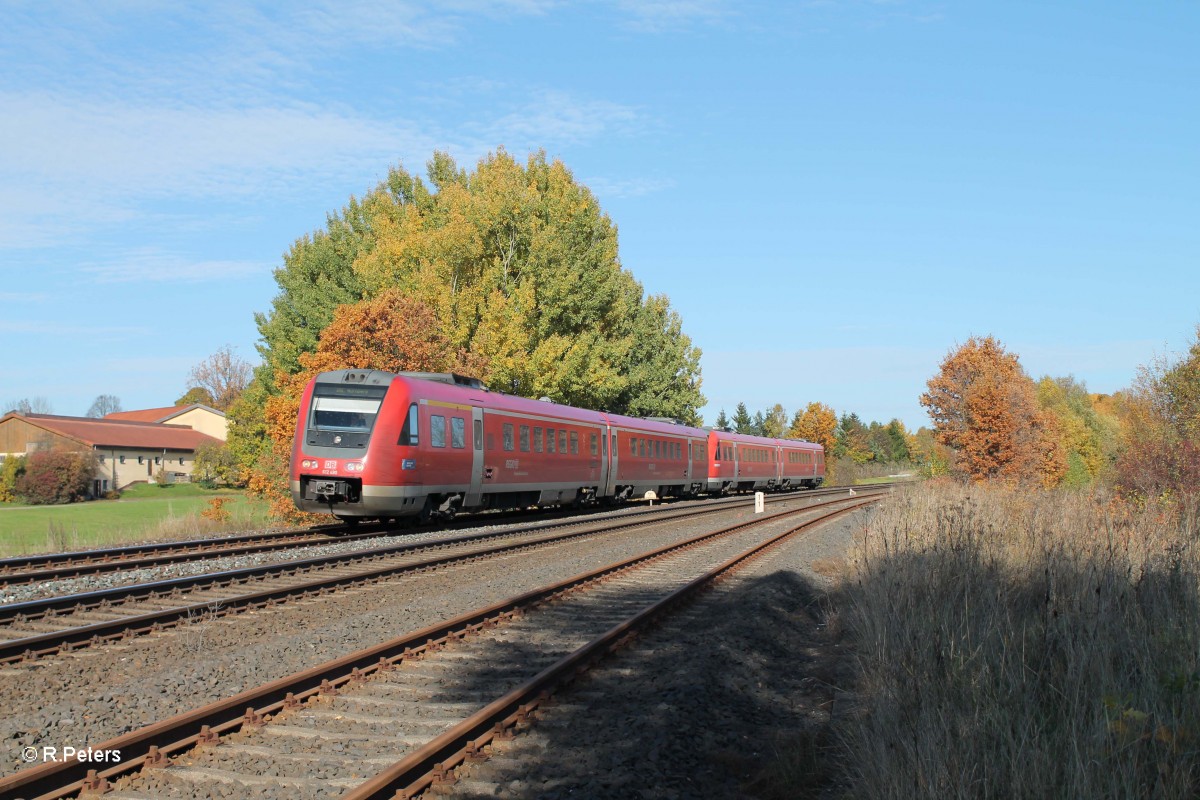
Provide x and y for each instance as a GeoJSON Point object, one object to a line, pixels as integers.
{"type": "Point", "coordinates": [816, 423]}
{"type": "Point", "coordinates": [56, 476]}
{"type": "Point", "coordinates": [517, 263]}
{"type": "Point", "coordinates": [1161, 428]}
{"type": "Point", "coordinates": [984, 408]}
{"type": "Point", "coordinates": [104, 404]}
{"type": "Point", "coordinates": [224, 375]}
{"type": "Point", "coordinates": [775, 422]}
{"type": "Point", "coordinates": [1087, 436]}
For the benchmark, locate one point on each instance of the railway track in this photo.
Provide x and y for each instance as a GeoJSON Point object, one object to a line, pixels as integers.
{"type": "Point", "coordinates": [47, 626]}
{"type": "Point", "coordinates": [395, 718]}
{"type": "Point", "coordinates": [47, 567]}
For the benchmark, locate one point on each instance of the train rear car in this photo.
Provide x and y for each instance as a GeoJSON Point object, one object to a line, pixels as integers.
{"type": "Point", "coordinates": [742, 463]}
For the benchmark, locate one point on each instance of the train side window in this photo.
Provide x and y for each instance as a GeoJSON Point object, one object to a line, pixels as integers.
{"type": "Point", "coordinates": [524, 438]}
{"type": "Point", "coordinates": [633, 445]}
{"type": "Point", "coordinates": [641, 447]}
{"type": "Point", "coordinates": [657, 448]}
{"type": "Point", "coordinates": [562, 441]}
{"type": "Point", "coordinates": [537, 439]}
{"type": "Point", "coordinates": [574, 442]}
{"type": "Point", "coordinates": [479, 434]}
{"type": "Point", "coordinates": [437, 430]}
{"type": "Point", "coordinates": [595, 446]}
{"type": "Point", "coordinates": [508, 436]}
{"type": "Point", "coordinates": [458, 432]}
{"type": "Point", "coordinates": [408, 434]}
{"type": "Point", "coordinates": [550, 440]}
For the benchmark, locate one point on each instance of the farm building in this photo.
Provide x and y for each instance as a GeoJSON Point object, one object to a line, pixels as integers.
{"type": "Point", "coordinates": [126, 450]}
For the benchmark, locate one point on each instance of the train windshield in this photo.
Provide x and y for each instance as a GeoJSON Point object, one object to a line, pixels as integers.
{"type": "Point", "coordinates": [344, 413]}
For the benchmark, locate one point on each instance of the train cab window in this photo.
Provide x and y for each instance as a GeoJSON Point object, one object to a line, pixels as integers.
{"type": "Point", "coordinates": [537, 439]}
{"type": "Point", "coordinates": [437, 430]}
{"type": "Point", "coordinates": [479, 434]}
{"type": "Point", "coordinates": [408, 433]}
{"type": "Point", "coordinates": [562, 442]}
{"type": "Point", "coordinates": [550, 448]}
{"type": "Point", "coordinates": [574, 442]}
{"type": "Point", "coordinates": [508, 436]}
{"type": "Point", "coordinates": [524, 438]}
{"type": "Point", "coordinates": [458, 432]}
{"type": "Point", "coordinates": [595, 446]}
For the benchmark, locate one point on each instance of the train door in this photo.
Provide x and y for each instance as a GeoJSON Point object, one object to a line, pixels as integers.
{"type": "Point", "coordinates": [475, 494]}
{"type": "Point", "coordinates": [609, 461]}
{"type": "Point", "coordinates": [606, 468]}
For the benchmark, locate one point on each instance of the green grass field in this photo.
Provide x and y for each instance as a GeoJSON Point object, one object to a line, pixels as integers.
{"type": "Point", "coordinates": [144, 512]}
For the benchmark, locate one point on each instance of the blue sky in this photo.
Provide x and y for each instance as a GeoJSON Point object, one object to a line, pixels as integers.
{"type": "Point", "coordinates": [833, 194]}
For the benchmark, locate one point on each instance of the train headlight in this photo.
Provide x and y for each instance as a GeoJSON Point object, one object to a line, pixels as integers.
{"type": "Point", "coordinates": [354, 466]}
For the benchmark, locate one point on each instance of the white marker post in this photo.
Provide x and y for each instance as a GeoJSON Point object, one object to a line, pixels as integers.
{"type": "Point", "coordinates": [651, 496]}
{"type": "Point", "coordinates": [759, 502]}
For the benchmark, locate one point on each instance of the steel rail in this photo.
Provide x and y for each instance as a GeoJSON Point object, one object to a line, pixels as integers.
{"type": "Point", "coordinates": [435, 761]}
{"type": "Point", "coordinates": [153, 744]}
{"type": "Point", "coordinates": [31, 647]}
{"type": "Point", "coordinates": [19, 570]}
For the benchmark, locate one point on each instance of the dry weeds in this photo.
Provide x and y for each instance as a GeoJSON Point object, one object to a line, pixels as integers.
{"type": "Point", "coordinates": [1018, 645]}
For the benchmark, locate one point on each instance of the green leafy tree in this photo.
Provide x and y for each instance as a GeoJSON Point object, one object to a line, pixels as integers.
{"type": "Point", "coordinates": [216, 464]}
{"type": "Point", "coordinates": [853, 439]}
{"type": "Point", "coordinates": [775, 422]}
{"type": "Point", "coordinates": [742, 421]}
{"type": "Point", "coordinates": [722, 420]}
{"type": "Point", "coordinates": [196, 395]}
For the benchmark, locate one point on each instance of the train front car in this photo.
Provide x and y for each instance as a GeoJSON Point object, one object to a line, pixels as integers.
{"type": "Point", "coordinates": [345, 417]}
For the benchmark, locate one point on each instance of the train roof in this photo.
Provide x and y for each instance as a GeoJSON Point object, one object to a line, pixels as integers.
{"type": "Point", "coordinates": [453, 388]}
{"type": "Point", "coordinates": [730, 436]}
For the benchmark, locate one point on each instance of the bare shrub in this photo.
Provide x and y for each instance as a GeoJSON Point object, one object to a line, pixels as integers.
{"type": "Point", "coordinates": [1025, 645]}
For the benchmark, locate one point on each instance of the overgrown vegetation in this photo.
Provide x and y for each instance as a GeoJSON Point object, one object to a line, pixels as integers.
{"type": "Point", "coordinates": [55, 476]}
{"type": "Point", "coordinates": [1025, 645]}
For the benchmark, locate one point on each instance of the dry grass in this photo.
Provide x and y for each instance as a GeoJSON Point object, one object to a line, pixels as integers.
{"type": "Point", "coordinates": [1015, 645]}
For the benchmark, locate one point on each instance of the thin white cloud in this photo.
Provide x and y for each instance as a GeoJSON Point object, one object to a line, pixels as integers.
{"type": "Point", "coordinates": [558, 118]}
{"type": "Point", "coordinates": [656, 16]}
{"type": "Point", "coordinates": [629, 187]}
{"type": "Point", "coordinates": [56, 328]}
{"type": "Point", "coordinates": [142, 266]}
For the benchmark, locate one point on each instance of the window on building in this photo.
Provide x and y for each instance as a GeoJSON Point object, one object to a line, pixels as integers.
{"type": "Point", "coordinates": [458, 432]}
{"type": "Point", "coordinates": [508, 436]}
{"type": "Point", "coordinates": [157, 460]}
{"type": "Point", "coordinates": [100, 458]}
{"type": "Point", "coordinates": [437, 430]}
{"type": "Point", "coordinates": [121, 459]}
{"type": "Point", "coordinates": [181, 461]}
{"type": "Point", "coordinates": [141, 459]}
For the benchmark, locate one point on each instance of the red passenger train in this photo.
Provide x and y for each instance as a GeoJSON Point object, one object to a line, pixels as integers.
{"type": "Point", "coordinates": [372, 444]}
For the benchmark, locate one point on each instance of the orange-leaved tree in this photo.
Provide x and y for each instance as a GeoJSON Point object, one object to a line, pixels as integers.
{"type": "Point", "coordinates": [817, 423]}
{"type": "Point", "coordinates": [984, 408]}
{"type": "Point", "coordinates": [391, 332]}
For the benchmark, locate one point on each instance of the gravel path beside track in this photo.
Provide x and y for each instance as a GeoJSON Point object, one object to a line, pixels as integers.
{"type": "Point", "coordinates": [669, 718]}
{"type": "Point", "coordinates": [100, 692]}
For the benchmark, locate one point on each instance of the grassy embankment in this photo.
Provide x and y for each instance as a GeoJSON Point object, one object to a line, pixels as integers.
{"type": "Point", "coordinates": [144, 512]}
{"type": "Point", "coordinates": [1023, 645]}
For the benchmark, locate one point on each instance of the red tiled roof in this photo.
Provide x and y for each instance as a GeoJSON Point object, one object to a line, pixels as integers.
{"type": "Point", "coordinates": [145, 415]}
{"type": "Point", "coordinates": [121, 433]}
{"type": "Point", "coordinates": [157, 414]}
